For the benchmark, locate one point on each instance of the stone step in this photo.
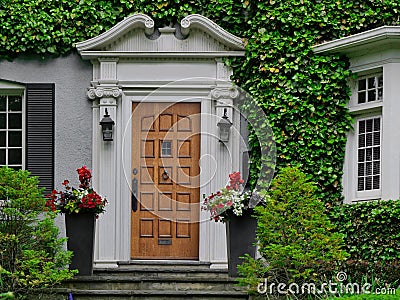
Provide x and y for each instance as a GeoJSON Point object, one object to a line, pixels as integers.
{"type": "Point", "coordinates": [163, 271]}
{"type": "Point", "coordinates": [152, 294]}
{"type": "Point", "coordinates": [183, 282]}
{"type": "Point", "coordinates": [154, 280]}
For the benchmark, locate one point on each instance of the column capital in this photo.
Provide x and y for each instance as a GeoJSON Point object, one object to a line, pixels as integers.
{"type": "Point", "coordinates": [104, 92]}
{"type": "Point", "coordinates": [224, 93]}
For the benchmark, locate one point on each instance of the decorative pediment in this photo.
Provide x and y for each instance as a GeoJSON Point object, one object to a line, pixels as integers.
{"type": "Point", "coordinates": [136, 36]}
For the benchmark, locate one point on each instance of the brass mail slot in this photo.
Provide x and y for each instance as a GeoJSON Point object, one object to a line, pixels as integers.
{"type": "Point", "coordinates": [164, 241]}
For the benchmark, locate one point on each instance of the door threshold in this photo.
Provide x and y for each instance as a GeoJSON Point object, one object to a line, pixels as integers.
{"type": "Point", "coordinates": [163, 262]}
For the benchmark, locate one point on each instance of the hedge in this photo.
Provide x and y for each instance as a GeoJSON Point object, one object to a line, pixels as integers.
{"type": "Point", "coordinates": [372, 238]}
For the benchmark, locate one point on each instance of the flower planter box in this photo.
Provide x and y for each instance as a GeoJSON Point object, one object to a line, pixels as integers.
{"type": "Point", "coordinates": [241, 239]}
{"type": "Point", "coordinates": [80, 232]}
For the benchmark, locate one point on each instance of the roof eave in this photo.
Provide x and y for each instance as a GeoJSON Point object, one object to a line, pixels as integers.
{"type": "Point", "coordinates": [355, 44]}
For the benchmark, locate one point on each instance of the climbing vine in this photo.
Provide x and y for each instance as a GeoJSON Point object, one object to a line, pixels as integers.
{"type": "Point", "coordinates": [303, 94]}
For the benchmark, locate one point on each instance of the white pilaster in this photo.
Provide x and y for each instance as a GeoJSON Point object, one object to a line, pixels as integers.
{"type": "Point", "coordinates": [227, 160]}
{"type": "Point", "coordinates": [391, 133]}
{"type": "Point", "coordinates": [104, 170]}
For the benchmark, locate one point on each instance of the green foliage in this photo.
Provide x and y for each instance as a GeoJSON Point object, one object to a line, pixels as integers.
{"type": "Point", "coordinates": [8, 295]}
{"type": "Point", "coordinates": [48, 27]}
{"type": "Point", "coordinates": [371, 231]}
{"type": "Point", "coordinates": [294, 234]}
{"type": "Point", "coordinates": [303, 94]}
{"type": "Point", "coordinates": [31, 255]}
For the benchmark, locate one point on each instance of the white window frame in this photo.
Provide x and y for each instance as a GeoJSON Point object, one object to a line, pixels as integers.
{"type": "Point", "coordinates": [374, 193]}
{"type": "Point", "coordinates": [14, 89]}
{"type": "Point", "coordinates": [362, 111]}
{"type": "Point", "coordinates": [357, 108]}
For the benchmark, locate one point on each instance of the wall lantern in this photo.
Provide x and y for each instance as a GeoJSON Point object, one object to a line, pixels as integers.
{"type": "Point", "coordinates": [224, 126]}
{"type": "Point", "coordinates": [107, 125]}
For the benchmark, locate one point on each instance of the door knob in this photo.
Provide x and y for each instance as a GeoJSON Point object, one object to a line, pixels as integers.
{"type": "Point", "coordinates": [165, 175]}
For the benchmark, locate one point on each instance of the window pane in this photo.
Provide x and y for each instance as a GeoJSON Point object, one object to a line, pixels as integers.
{"type": "Point", "coordinates": [368, 154]}
{"type": "Point", "coordinates": [369, 125]}
{"type": "Point", "coordinates": [380, 94]}
{"type": "Point", "coordinates": [368, 183]}
{"type": "Point", "coordinates": [3, 118]}
{"type": "Point", "coordinates": [2, 157]}
{"type": "Point", "coordinates": [361, 140]}
{"type": "Point", "coordinates": [361, 155]}
{"type": "Point", "coordinates": [377, 138]}
{"type": "Point", "coordinates": [368, 168]}
{"type": "Point", "coordinates": [15, 156]}
{"type": "Point", "coordinates": [376, 184]}
{"type": "Point", "coordinates": [14, 139]}
{"type": "Point", "coordinates": [2, 138]}
{"type": "Point", "coordinates": [16, 168]}
{"type": "Point", "coordinates": [362, 85]}
{"type": "Point", "coordinates": [3, 101]}
{"type": "Point", "coordinates": [369, 139]}
{"type": "Point", "coordinates": [380, 80]}
{"type": "Point", "coordinates": [166, 149]}
{"type": "Point", "coordinates": [361, 127]}
{"type": "Point", "coordinates": [377, 153]}
{"type": "Point", "coordinates": [360, 185]}
{"type": "Point", "coordinates": [14, 103]}
{"type": "Point", "coordinates": [377, 168]}
{"type": "Point", "coordinates": [377, 124]}
{"type": "Point", "coordinates": [361, 169]}
{"type": "Point", "coordinates": [371, 82]}
{"type": "Point", "coordinates": [371, 95]}
{"type": "Point", "coordinates": [361, 97]}
{"type": "Point", "coordinates": [15, 121]}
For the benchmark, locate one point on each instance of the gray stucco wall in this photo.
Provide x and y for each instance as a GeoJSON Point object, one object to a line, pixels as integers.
{"type": "Point", "coordinates": [73, 113]}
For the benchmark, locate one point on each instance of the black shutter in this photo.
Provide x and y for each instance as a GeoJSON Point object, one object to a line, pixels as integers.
{"type": "Point", "coordinates": [40, 133]}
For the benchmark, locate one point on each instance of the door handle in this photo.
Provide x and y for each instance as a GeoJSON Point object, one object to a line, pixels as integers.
{"type": "Point", "coordinates": [134, 194]}
{"type": "Point", "coordinates": [165, 175]}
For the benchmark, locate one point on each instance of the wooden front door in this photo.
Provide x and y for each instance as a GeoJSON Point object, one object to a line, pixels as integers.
{"type": "Point", "coordinates": [165, 181]}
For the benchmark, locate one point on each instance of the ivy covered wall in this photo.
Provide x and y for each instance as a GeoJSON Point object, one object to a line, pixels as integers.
{"type": "Point", "coordinates": [304, 95]}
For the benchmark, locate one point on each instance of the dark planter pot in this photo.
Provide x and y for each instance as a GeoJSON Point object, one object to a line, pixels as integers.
{"type": "Point", "coordinates": [80, 233]}
{"type": "Point", "coordinates": [241, 239]}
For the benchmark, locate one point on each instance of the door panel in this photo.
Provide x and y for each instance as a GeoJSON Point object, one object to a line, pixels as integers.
{"type": "Point", "coordinates": [165, 165]}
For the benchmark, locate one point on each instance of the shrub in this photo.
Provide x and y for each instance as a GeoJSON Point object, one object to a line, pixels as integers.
{"type": "Point", "coordinates": [296, 238]}
{"type": "Point", "coordinates": [371, 231]}
{"type": "Point", "coordinates": [31, 255]}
